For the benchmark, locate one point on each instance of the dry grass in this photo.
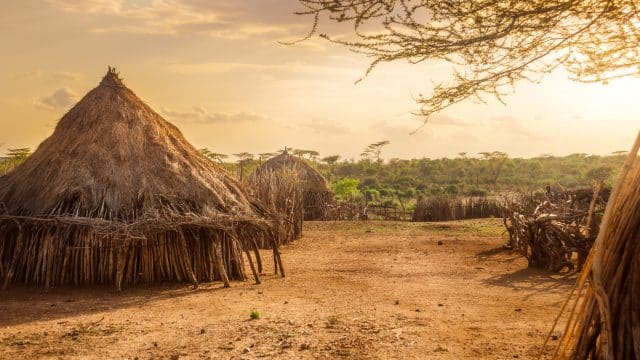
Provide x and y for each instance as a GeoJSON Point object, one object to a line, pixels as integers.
{"type": "Point", "coordinates": [316, 191]}
{"type": "Point", "coordinates": [117, 195]}
{"type": "Point", "coordinates": [280, 191]}
{"type": "Point", "coordinates": [604, 320]}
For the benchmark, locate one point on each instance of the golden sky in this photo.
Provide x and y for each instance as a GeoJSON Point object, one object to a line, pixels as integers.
{"type": "Point", "coordinates": [216, 70]}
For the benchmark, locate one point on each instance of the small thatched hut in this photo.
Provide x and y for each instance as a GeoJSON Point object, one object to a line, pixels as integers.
{"type": "Point", "coordinates": [117, 195]}
{"type": "Point", "coordinates": [316, 191]}
{"type": "Point", "coordinates": [280, 191]}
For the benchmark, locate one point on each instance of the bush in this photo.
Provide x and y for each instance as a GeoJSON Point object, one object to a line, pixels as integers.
{"type": "Point", "coordinates": [346, 188]}
{"type": "Point", "coordinates": [477, 192]}
{"type": "Point", "coordinates": [254, 314]}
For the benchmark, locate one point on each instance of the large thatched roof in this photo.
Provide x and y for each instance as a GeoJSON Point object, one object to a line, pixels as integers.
{"type": "Point", "coordinates": [112, 156]}
{"type": "Point", "coordinates": [312, 180]}
{"type": "Point", "coordinates": [117, 195]}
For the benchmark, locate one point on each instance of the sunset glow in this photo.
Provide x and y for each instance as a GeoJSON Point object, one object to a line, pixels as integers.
{"type": "Point", "coordinates": [217, 70]}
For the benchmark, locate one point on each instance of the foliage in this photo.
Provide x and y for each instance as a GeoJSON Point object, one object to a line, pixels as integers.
{"type": "Point", "coordinates": [254, 314]}
{"type": "Point", "coordinates": [346, 188]}
{"type": "Point", "coordinates": [491, 172]}
{"type": "Point", "coordinates": [217, 157]}
{"type": "Point", "coordinates": [398, 181]}
{"type": "Point", "coordinates": [14, 158]}
{"type": "Point", "coordinates": [374, 151]}
{"type": "Point", "coordinates": [489, 44]}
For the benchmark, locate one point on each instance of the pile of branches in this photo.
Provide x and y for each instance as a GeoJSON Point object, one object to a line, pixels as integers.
{"type": "Point", "coordinates": [347, 210]}
{"type": "Point", "coordinates": [555, 230]}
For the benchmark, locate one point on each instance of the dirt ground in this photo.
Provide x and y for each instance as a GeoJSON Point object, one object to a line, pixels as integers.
{"type": "Point", "coordinates": [367, 290]}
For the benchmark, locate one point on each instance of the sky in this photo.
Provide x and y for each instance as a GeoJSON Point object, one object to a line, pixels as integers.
{"type": "Point", "coordinates": [219, 71]}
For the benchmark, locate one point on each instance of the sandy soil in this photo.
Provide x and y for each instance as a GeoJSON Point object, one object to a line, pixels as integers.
{"type": "Point", "coordinates": [353, 290]}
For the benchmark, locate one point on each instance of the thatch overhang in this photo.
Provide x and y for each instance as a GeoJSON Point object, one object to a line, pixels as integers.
{"type": "Point", "coordinates": [117, 195]}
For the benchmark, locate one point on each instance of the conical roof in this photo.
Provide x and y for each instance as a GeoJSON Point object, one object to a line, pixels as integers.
{"type": "Point", "coordinates": [111, 156]}
{"type": "Point", "coordinates": [312, 179]}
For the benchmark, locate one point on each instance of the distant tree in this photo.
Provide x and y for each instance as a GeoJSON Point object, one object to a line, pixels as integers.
{"type": "Point", "coordinates": [13, 158]}
{"type": "Point", "coordinates": [214, 156]}
{"type": "Point", "coordinates": [19, 154]}
{"type": "Point", "coordinates": [495, 161]}
{"type": "Point", "coordinates": [331, 160]}
{"type": "Point", "coordinates": [346, 188]}
{"type": "Point", "coordinates": [265, 156]}
{"type": "Point", "coordinates": [310, 155]}
{"type": "Point", "coordinates": [600, 173]}
{"type": "Point", "coordinates": [374, 150]}
{"type": "Point", "coordinates": [244, 158]}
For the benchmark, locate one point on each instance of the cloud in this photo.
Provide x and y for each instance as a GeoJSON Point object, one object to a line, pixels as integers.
{"type": "Point", "coordinates": [33, 74]}
{"type": "Point", "coordinates": [446, 120]}
{"type": "Point", "coordinates": [327, 127]}
{"type": "Point", "coordinates": [509, 124]}
{"type": "Point", "coordinates": [200, 115]}
{"type": "Point", "coordinates": [296, 67]}
{"type": "Point", "coordinates": [227, 19]}
{"type": "Point", "coordinates": [61, 99]}
{"type": "Point", "coordinates": [52, 77]}
{"type": "Point", "coordinates": [63, 76]}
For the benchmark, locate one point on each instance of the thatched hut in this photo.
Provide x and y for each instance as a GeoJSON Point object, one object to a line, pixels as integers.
{"type": "Point", "coordinates": [316, 191]}
{"type": "Point", "coordinates": [116, 195]}
{"type": "Point", "coordinates": [281, 192]}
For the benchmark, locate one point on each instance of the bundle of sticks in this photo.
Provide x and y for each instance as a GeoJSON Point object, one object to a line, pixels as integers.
{"type": "Point", "coordinates": [555, 231]}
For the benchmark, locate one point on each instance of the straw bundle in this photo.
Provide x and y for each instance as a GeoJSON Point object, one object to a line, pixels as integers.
{"type": "Point", "coordinates": [605, 320]}
{"type": "Point", "coordinates": [316, 191]}
{"type": "Point", "coordinates": [281, 192]}
{"type": "Point", "coordinates": [117, 195]}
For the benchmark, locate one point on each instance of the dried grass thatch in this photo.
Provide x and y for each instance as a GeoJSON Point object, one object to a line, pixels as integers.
{"type": "Point", "coordinates": [604, 322]}
{"type": "Point", "coordinates": [117, 195]}
{"type": "Point", "coordinates": [446, 208]}
{"type": "Point", "coordinates": [281, 192]}
{"type": "Point", "coordinates": [316, 191]}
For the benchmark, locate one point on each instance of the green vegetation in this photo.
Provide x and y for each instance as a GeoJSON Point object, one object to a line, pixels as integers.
{"type": "Point", "coordinates": [398, 181]}
{"type": "Point", "coordinates": [254, 314]}
{"type": "Point", "coordinates": [13, 158]}
{"type": "Point", "coordinates": [472, 176]}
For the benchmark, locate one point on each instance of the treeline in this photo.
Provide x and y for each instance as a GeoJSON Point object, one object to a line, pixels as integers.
{"type": "Point", "coordinates": [489, 173]}
{"type": "Point", "coordinates": [483, 174]}
{"type": "Point", "coordinates": [397, 181]}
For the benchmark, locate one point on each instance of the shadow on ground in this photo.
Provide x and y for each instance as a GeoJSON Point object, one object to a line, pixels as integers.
{"type": "Point", "coordinates": [64, 302]}
{"type": "Point", "coordinates": [534, 281]}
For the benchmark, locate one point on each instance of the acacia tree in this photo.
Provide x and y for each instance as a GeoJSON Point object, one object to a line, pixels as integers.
{"type": "Point", "coordinates": [496, 161]}
{"type": "Point", "coordinates": [14, 158]}
{"type": "Point", "coordinates": [244, 158]}
{"type": "Point", "coordinates": [374, 150]}
{"type": "Point", "coordinates": [218, 157]}
{"type": "Point", "coordinates": [491, 44]}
